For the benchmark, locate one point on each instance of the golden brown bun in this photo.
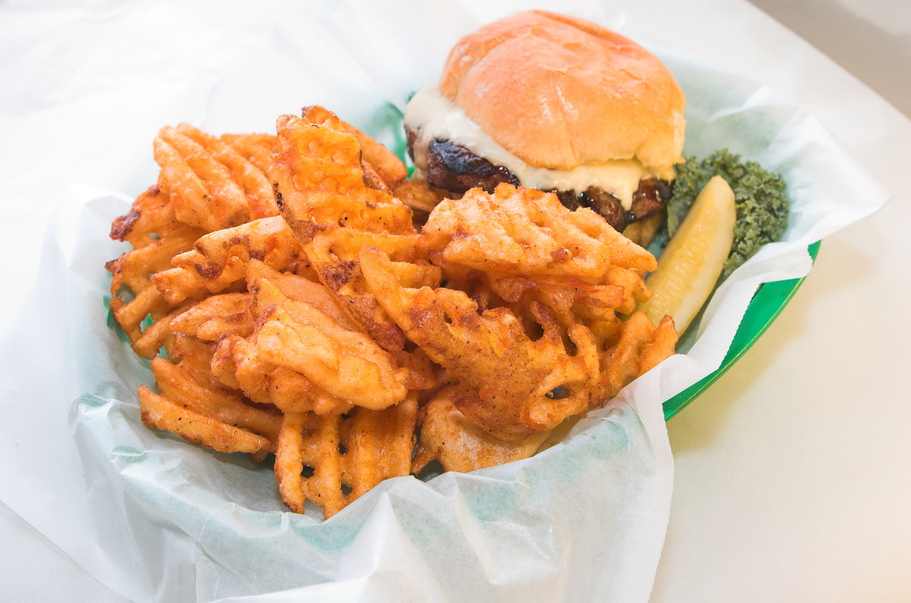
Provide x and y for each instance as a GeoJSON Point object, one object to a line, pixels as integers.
{"type": "Point", "coordinates": [558, 92]}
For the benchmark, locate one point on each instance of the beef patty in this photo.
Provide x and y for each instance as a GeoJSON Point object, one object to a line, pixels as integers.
{"type": "Point", "coordinates": [454, 168]}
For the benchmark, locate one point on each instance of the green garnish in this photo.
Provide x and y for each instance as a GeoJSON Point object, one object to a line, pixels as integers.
{"type": "Point", "coordinates": [762, 207]}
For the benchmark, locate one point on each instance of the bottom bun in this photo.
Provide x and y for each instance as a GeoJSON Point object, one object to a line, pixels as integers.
{"type": "Point", "coordinates": [643, 231]}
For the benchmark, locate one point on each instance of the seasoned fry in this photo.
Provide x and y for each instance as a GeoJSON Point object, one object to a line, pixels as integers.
{"type": "Point", "coordinates": [480, 347]}
{"type": "Point", "coordinates": [190, 406]}
{"type": "Point", "coordinates": [150, 219]}
{"type": "Point", "coordinates": [215, 316]}
{"type": "Point", "coordinates": [219, 259]}
{"type": "Point", "coordinates": [321, 184]}
{"type": "Point", "coordinates": [159, 412]}
{"type": "Point", "coordinates": [156, 237]}
{"type": "Point", "coordinates": [445, 435]}
{"type": "Point", "coordinates": [377, 445]}
{"type": "Point", "coordinates": [215, 183]}
{"type": "Point", "coordinates": [333, 210]}
{"type": "Point", "coordinates": [290, 305]}
{"type": "Point", "coordinates": [255, 148]}
{"type": "Point", "coordinates": [299, 288]}
{"type": "Point", "coordinates": [304, 347]}
{"type": "Point", "coordinates": [347, 363]}
{"type": "Point", "coordinates": [247, 176]}
{"type": "Point", "coordinates": [641, 347]}
{"type": "Point", "coordinates": [190, 384]}
{"type": "Point", "coordinates": [236, 364]}
{"type": "Point", "coordinates": [334, 256]}
{"type": "Point", "coordinates": [568, 298]}
{"type": "Point", "coordinates": [528, 233]}
{"type": "Point", "coordinates": [381, 161]}
{"type": "Point", "coordinates": [202, 190]}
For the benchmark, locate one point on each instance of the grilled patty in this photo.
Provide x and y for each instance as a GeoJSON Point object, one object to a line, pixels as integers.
{"type": "Point", "coordinates": [454, 168]}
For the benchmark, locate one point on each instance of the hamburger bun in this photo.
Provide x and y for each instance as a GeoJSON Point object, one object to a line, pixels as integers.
{"type": "Point", "coordinates": [560, 92]}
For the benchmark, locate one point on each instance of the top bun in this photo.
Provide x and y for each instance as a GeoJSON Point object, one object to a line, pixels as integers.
{"type": "Point", "coordinates": [559, 92]}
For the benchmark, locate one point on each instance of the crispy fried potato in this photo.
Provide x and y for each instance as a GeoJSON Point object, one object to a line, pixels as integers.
{"type": "Point", "coordinates": [508, 375]}
{"type": "Point", "coordinates": [640, 348]}
{"type": "Point", "coordinates": [150, 220]}
{"type": "Point", "coordinates": [290, 459]}
{"type": "Point", "coordinates": [334, 256]}
{"type": "Point", "coordinates": [445, 435]}
{"type": "Point", "coordinates": [568, 298]}
{"type": "Point", "coordinates": [304, 347]}
{"type": "Point", "coordinates": [199, 428]}
{"type": "Point", "coordinates": [215, 183]}
{"type": "Point", "coordinates": [347, 363]}
{"type": "Point", "coordinates": [190, 406]}
{"type": "Point", "coordinates": [528, 233]}
{"type": "Point", "coordinates": [202, 190]}
{"type": "Point", "coordinates": [189, 383]}
{"type": "Point", "coordinates": [333, 208]}
{"type": "Point", "coordinates": [345, 456]}
{"type": "Point", "coordinates": [156, 236]}
{"type": "Point", "coordinates": [321, 184]}
{"type": "Point", "coordinates": [215, 316]}
{"type": "Point", "coordinates": [299, 288]}
{"type": "Point", "coordinates": [219, 259]}
{"type": "Point", "coordinates": [634, 288]}
{"type": "Point", "coordinates": [157, 335]}
{"type": "Point", "coordinates": [237, 365]}
{"type": "Point", "coordinates": [252, 181]}
{"type": "Point", "coordinates": [381, 161]}
{"type": "Point", "coordinates": [303, 314]}
{"type": "Point", "coordinates": [255, 148]}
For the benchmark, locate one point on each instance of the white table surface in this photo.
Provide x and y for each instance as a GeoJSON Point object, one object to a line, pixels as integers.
{"type": "Point", "coordinates": [793, 472]}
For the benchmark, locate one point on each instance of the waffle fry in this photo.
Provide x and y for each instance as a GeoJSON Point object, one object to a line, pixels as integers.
{"type": "Point", "coordinates": [236, 364]}
{"type": "Point", "coordinates": [219, 259]}
{"type": "Point", "coordinates": [156, 236]}
{"type": "Point", "coordinates": [304, 347]}
{"type": "Point", "coordinates": [190, 406]}
{"type": "Point", "coordinates": [345, 279]}
{"type": "Point", "coordinates": [526, 232]}
{"type": "Point", "coordinates": [321, 183]}
{"type": "Point", "coordinates": [200, 188]}
{"type": "Point", "coordinates": [418, 195]}
{"type": "Point", "coordinates": [196, 427]}
{"type": "Point", "coordinates": [377, 445]}
{"type": "Point", "coordinates": [150, 219]}
{"type": "Point", "coordinates": [377, 158]}
{"type": "Point", "coordinates": [248, 176]}
{"type": "Point", "coordinates": [445, 435]}
{"type": "Point", "coordinates": [568, 299]}
{"type": "Point", "coordinates": [302, 314]}
{"type": "Point", "coordinates": [479, 348]}
{"type": "Point", "coordinates": [300, 288]}
{"type": "Point", "coordinates": [212, 185]}
{"type": "Point", "coordinates": [255, 148]}
{"type": "Point", "coordinates": [640, 348]}
{"type": "Point", "coordinates": [330, 205]}
{"type": "Point", "coordinates": [214, 317]}
{"type": "Point", "coordinates": [347, 363]}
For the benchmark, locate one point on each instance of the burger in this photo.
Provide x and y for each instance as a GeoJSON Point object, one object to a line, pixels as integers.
{"type": "Point", "coordinates": [555, 103]}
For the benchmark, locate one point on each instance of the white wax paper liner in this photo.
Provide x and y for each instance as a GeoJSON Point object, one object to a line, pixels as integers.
{"type": "Point", "coordinates": [583, 519]}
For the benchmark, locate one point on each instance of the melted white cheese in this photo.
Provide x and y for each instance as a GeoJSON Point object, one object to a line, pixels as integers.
{"type": "Point", "coordinates": [435, 116]}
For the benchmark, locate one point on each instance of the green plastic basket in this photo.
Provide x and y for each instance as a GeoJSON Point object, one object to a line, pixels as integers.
{"type": "Point", "coordinates": [768, 302]}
